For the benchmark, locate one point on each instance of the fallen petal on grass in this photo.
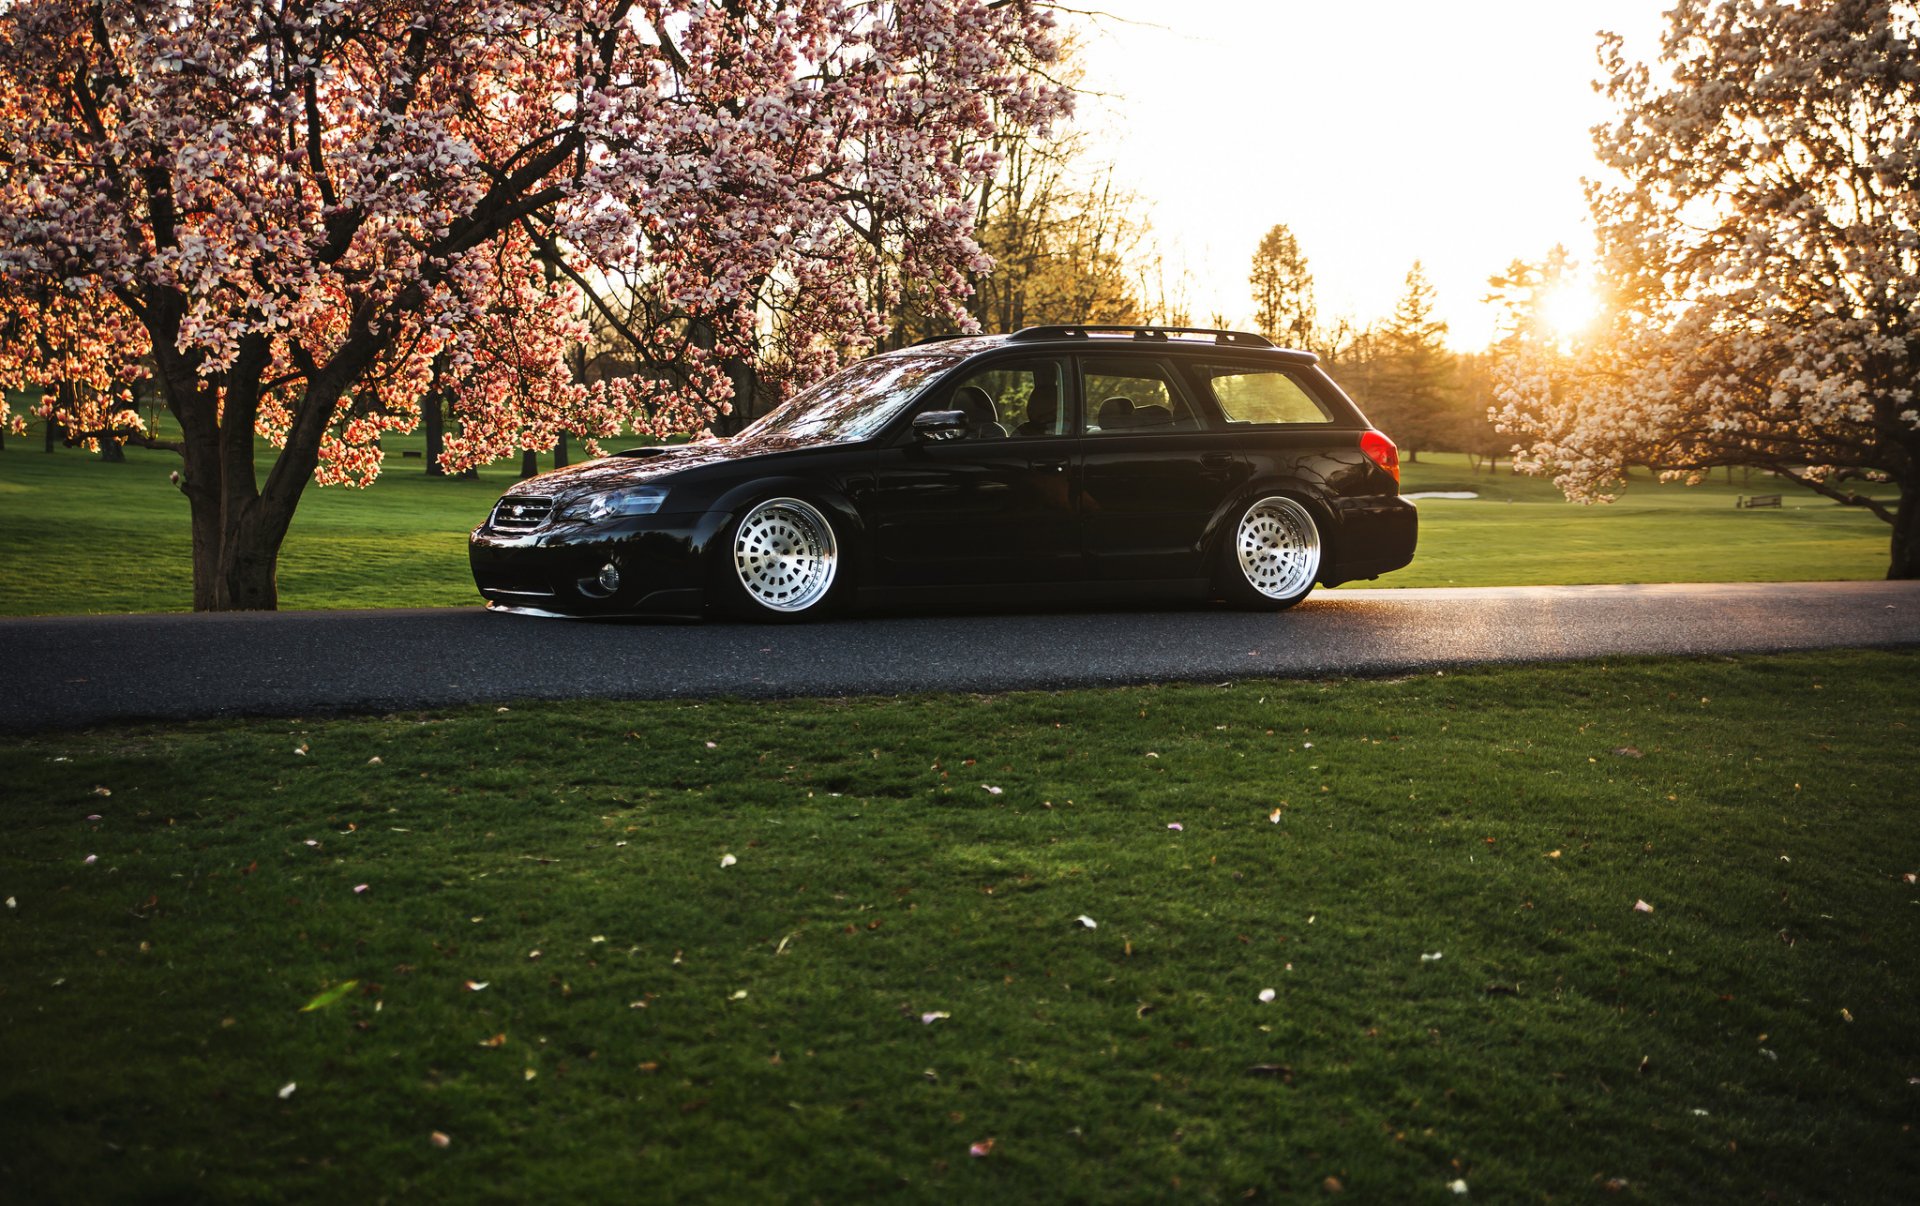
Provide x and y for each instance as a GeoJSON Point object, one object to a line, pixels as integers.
{"type": "Point", "coordinates": [1459, 1187]}
{"type": "Point", "coordinates": [1641, 906]}
{"type": "Point", "coordinates": [1430, 958]}
{"type": "Point", "coordinates": [1267, 995]}
{"type": "Point", "coordinates": [1087, 921]}
{"type": "Point", "coordinates": [358, 889]}
{"type": "Point", "coordinates": [286, 1090]}
{"type": "Point", "coordinates": [991, 790]}
{"type": "Point", "coordinates": [982, 1148]}
{"type": "Point", "coordinates": [477, 985]}
{"type": "Point", "coordinates": [727, 860]}
{"type": "Point", "coordinates": [1176, 826]}
{"type": "Point", "coordinates": [928, 1019]}
{"type": "Point", "coordinates": [90, 860]}
{"type": "Point", "coordinates": [439, 1139]}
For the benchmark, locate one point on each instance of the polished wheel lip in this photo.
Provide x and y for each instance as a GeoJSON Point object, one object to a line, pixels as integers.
{"type": "Point", "coordinates": [1278, 546]}
{"type": "Point", "coordinates": [784, 555]}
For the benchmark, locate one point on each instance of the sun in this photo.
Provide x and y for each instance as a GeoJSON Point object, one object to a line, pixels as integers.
{"type": "Point", "coordinates": [1569, 308]}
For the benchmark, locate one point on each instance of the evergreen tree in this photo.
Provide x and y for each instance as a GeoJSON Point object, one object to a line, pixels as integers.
{"type": "Point", "coordinates": [1282, 290]}
{"type": "Point", "coordinates": [1413, 396]}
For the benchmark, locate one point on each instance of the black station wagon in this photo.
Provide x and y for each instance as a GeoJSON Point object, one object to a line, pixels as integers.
{"type": "Point", "coordinates": [1089, 463]}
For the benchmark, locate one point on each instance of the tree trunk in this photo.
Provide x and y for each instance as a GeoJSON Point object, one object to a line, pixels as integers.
{"type": "Point", "coordinates": [238, 525]}
{"type": "Point", "coordinates": [560, 452]}
{"type": "Point", "coordinates": [529, 464]}
{"type": "Point", "coordinates": [236, 537]}
{"type": "Point", "coordinates": [1905, 562]}
{"type": "Point", "coordinates": [433, 419]}
{"type": "Point", "coordinates": [53, 435]}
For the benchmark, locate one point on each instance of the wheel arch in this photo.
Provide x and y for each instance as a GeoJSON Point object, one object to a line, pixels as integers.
{"type": "Point", "coordinates": [847, 520]}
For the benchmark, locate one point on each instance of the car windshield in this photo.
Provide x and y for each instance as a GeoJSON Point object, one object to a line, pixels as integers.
{"type": "Point", "coordinates": [857, 401]}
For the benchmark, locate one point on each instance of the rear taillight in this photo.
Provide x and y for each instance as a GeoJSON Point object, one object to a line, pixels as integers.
{"type": "Point", "coordinates": [1381, 451]}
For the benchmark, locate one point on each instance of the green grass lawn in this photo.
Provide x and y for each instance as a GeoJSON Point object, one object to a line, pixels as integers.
{"type": "Point", "coordinates": [83, 536]}
{"type": "Point", "coordinates": [1521, 531]}
{"type": "Point", "coordinates": [550, 966]}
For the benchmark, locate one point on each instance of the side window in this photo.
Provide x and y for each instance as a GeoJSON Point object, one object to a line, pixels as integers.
{"type": "Point", "coordinates": [1013, 400]}
{"type": "Point", "coordinates": [1129, 397]}
{"type": "Point", "coordinates": [1264, 396]}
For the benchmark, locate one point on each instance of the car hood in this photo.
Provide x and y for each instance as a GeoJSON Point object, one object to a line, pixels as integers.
{"type": "Point", "coordinates": [657, 463]}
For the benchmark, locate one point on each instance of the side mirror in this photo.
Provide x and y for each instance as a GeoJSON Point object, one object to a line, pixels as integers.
{"type": "Point", "coordinates": [940, 425]}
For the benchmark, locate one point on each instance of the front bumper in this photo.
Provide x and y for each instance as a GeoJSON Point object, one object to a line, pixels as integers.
{"type": "Point", "coordinates": [661, 561]}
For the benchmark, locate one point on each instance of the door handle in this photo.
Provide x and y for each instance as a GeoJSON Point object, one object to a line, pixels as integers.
{"type": "Point", "coordinates": [1216, 464]}
{"type": "Point", "coordinates": [1051, 466]}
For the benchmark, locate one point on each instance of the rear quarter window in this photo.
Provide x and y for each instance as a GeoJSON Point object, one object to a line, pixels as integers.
{"type": "Point", "coordinates": [1264, 397]}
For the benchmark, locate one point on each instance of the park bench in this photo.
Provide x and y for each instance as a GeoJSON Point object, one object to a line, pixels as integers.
{"type": "Point", "coordinates": [1758, 500]}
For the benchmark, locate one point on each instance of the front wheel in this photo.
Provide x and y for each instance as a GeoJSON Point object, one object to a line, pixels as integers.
{"type": "Point", "coordinates": [1274, 556]}
{"type": "Point", "coordinates": [783, 561]}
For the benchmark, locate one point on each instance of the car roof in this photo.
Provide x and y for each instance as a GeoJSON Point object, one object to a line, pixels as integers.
{"type": "Point", "coordinates": [1055, 337]}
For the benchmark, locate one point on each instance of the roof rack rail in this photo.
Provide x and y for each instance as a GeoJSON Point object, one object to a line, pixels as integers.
{"type": "Point", "coordinates": [939, 338]}
{"type": "Point", "coordinates": [1237, 339]}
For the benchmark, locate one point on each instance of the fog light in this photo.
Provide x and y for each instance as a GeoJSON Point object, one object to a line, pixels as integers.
{"type": "Point", "coordinates": [609, 578]}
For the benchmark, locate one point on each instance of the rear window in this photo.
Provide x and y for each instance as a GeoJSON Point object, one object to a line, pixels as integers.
{"type": "Point", "coordinates": [1264, 396]}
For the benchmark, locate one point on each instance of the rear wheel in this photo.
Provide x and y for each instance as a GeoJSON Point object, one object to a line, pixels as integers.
{"type": "Point", "coordinates": [783, 561]}
{"type": "Point", "coordinates": [1274, 556]}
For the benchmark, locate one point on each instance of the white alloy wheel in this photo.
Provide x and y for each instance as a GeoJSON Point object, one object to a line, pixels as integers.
{"type": "Point", "coordinates": [785, 556]}
{"type": "Point", "coordinates": [1278, 548]}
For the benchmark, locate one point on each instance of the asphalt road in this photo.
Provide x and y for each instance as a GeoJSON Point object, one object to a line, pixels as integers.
{"type": "Point", "coordinates": [71, 671]}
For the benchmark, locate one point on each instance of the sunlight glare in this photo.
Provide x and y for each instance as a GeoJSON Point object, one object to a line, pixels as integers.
{"type": "Point", "coordinates": [1569, 308]}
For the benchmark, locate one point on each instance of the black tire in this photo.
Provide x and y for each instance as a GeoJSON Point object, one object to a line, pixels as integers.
{"type": "Point", "coordinates": [1271, 556]}
{"type": "Point", "coordinates": [781, 562]}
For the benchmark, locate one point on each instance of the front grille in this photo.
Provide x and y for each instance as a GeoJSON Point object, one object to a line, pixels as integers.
{"type": "Point", "coordinates": [520, 513]}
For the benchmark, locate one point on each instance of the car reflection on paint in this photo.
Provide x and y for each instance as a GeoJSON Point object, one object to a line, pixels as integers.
{"type": "Point", "coordinates": [1055, 463]}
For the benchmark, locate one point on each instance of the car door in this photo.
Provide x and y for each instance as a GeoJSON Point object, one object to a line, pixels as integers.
{"type": "Point", "coordinates": [1155, 468]}
{"type": "Point", "coordinates": [995, 505]}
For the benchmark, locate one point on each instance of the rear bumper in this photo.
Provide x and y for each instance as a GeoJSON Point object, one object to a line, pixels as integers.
{"type": "Point", "coordinates": [1377, 534]}
{"type": "Point", "coordinates": [661, 561]}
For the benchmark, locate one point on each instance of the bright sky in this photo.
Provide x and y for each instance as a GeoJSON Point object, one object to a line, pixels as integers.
{"type": "Point", "coordinates": [1380, 131]}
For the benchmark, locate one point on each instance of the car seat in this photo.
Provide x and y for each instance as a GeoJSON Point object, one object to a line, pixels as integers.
{"type": "Point", "coordinates": [1116, 414]}
{"type": "Point", "coordinates": [982, 424]}
{"type": "Point", "coordinates": [1043, 411]}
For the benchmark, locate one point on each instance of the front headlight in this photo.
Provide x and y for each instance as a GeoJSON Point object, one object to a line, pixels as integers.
{"type": "Point", "coordinates": [617, 504]}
